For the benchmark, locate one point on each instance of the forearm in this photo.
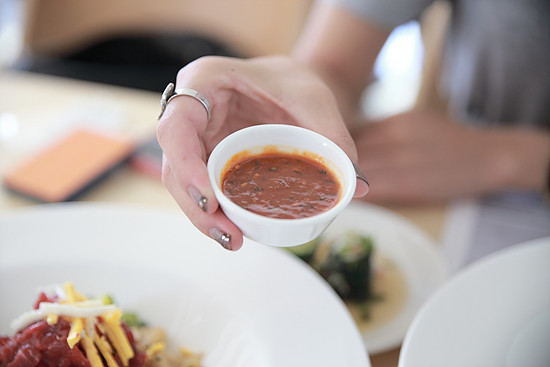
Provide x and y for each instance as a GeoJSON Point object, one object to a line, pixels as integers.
{"type": "Point", "coordinates": [342, 49]}
{"type": "Point", "coordinates": [347, 98]}
{"type": "Point", "coordinates": [521, 159]}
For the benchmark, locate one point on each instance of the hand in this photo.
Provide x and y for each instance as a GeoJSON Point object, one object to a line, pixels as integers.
{"type": "Point", "coordinates": [420, 157]}
{"type": "Point", "coordinates": [241, 93]}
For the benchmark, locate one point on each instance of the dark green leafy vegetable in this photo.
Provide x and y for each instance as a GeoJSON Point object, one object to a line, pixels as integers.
{"type": "Point", "coordinates": [347, 267]}
{"type": "Point", "coordinates": [345, 263]}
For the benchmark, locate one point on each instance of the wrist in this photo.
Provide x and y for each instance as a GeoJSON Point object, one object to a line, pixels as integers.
{"type": "Point", "coordinates": [524, 160]}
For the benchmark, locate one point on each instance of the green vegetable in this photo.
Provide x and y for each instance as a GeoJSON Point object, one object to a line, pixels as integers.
{"type": "Point", "coordinates": [132, 320]}
{"type": "Point", "coordinates": [348, 266]}
{"type": "Point", "coordinates": [129, 318]}
{"type": "Point", "coordinates": [306, 252]}
{"type": "Point", "coordinates": [107, 299]}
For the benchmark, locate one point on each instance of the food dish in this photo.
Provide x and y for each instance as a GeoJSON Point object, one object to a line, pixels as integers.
{"type": "Point", "coordinates": [259, 306]}
{"type": "Point", "coordinates": [495, 312]}
{"type": "Point", "coordinates": [66, 325]}
{"type": "Point", "coordinates": [416, 256]}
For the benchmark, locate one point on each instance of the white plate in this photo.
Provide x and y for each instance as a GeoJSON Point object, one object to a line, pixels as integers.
{"type": "Point", "coordinates": [417, 256]}
{"type": "Point", "coordinates": [495, 312]}
{"type": "Point", "coordinates": [256, 307]}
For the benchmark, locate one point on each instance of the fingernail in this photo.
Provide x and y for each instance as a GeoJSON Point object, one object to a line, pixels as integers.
{"type": "Point", "coordinates": [220, 237]}
{"type": "Point", "coordinates": [198, 198]}
{"type": "Point", "coordinates": [359, 174]}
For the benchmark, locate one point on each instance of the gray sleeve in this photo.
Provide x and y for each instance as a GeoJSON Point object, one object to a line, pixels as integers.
{"type": "Point", "coordinates": [387, 13]}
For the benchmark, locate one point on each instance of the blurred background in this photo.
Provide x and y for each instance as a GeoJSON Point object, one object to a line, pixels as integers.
{"type": "Point", "coordinates": [48, 46]}
{"type": "Point", "coordinates": [115, 42]}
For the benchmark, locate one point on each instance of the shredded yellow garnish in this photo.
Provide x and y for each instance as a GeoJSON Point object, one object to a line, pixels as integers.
{"type": "Point", "coordinates": [186, 352]}
{"type": "Point", "coordinates": [75, 333]}
{"type": "Point", "coordinates": [154, 349]}
{"type": "Point", "coordinates": [71, 294]}
{"type": "Point", "coordinates": [91, 352]}
{"type": "Point", "coordinates": [52, 319]}
{"type": "Point", "coordinates": [106, 350]}
{"type": "Point", "coordinates": [68, 288]}
{"type": "Point", "coordinates": [115, 333]}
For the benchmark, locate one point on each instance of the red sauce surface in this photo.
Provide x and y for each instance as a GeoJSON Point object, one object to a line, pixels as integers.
{"type": "Point", "coordinates": [43, 345]}
{"type": "Point", "coordinates": [281, 185]}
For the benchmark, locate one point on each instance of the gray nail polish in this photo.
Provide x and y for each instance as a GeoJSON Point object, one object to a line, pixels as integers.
{"type": "Point", "coordinates": [198, 198]}
{"type": "Point", "coordinates": [220, 237]}
{"type": "Point", "coordinates": [360, 175]}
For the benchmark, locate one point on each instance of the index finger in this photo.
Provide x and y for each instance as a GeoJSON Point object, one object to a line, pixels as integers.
{"type": "Point", "coordinates": [178, 134]}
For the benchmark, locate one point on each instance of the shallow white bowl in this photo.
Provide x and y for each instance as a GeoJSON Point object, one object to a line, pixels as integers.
{"type": "Point", "coordinates": [273, 231]}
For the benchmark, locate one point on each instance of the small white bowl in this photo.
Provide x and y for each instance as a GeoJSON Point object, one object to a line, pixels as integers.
{"type": "Point", "coordinates": [292, 139]}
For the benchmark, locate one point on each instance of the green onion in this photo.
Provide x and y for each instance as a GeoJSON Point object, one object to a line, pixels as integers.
{"type": "Point", "coordinates": [132, 320]}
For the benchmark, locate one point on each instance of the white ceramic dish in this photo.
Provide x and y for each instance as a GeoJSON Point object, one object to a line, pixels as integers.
{"type": "Point", "coordinates": [255, 307]}
{"type": "Point", "coordinates": [291, 139]}
{"type": "Point", "coordinates": [416, 255]}
{"type": "Point", "coordinates": [495, 312]}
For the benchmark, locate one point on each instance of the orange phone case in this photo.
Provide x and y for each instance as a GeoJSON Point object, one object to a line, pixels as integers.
{"type": "Point", "coordinates": [68, 167]}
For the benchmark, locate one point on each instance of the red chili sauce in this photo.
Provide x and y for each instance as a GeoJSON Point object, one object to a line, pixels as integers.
{"type": "Point", "coordinates": [280, 185]}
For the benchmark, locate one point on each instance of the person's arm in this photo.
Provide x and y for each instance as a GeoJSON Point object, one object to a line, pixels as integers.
{"type": "Point", "coordinates": [525, 158]}
{"type": "Point", "coordinates": [421, 157]}
{"type": "Point", "coordinates": [403, 162]}
{"type": "Point", "coordinates": [342, 48]}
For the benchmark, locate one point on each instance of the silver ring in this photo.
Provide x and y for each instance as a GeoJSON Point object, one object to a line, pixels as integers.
{"type": "Point", "coordinates": [169, 94]}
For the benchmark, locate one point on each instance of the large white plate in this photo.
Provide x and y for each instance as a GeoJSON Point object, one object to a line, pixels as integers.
{"type": "Point", "coordinates": [417, 256]}
{"type": "Point", "coordinates": [495, 312]}
{"type": "Point", "coordinates": [259, 306]}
